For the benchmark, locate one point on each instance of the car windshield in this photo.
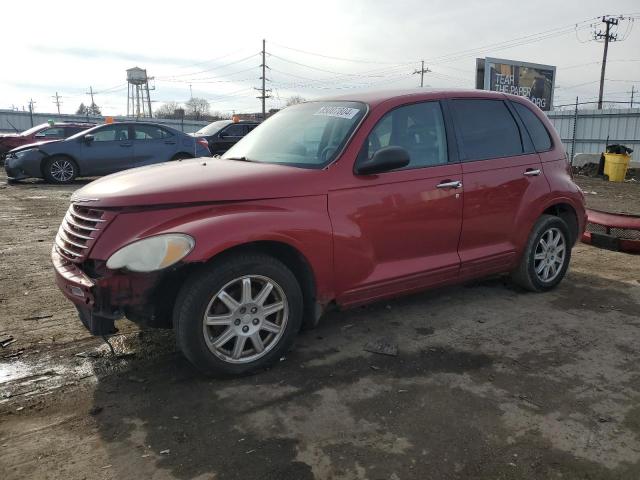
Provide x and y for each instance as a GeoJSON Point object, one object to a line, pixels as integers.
{"type": "Point", "coordinates": [35, 129]}
{"type": "Point", "coordinates": [212, 128]}
{"type": "Point", "coordinates": [308, 135]}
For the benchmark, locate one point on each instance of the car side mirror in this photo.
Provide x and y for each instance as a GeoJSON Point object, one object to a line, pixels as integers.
{"type": "Point", "coordinates": [88, 138]}
{"type": "Point", "coordinates": [384, 160]}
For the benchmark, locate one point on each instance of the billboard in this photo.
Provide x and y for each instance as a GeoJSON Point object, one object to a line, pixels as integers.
{"type": "Point", "coordinates": [531, 80]}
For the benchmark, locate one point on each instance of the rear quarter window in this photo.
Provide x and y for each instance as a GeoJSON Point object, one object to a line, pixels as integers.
{"type": "Point", "coordinates": [537, 131]}
{"type": "Point", "coordinates": [485, 129]}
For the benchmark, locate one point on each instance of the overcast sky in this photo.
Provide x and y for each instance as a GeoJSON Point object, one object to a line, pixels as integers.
{"type": "Point", "coordinates": [313, 48]}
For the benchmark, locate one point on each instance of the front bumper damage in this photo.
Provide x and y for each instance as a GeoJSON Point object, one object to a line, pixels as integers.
{"type": "Point", "coordinates": [106, 298]}
{"type": "Point", "coordinates": [25, 166]}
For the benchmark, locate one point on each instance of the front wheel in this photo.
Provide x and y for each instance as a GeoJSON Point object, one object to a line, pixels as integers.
{"type": "Point", "coordinates": [546, 256]}
{"type": "Point", "coordinates": [238, 315]}
{"type": "Point", "coordinates": [60, 170]}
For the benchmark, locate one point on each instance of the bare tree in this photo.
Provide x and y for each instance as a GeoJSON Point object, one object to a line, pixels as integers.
{"type": "Point", "coordinates": [197, 108]}
{"type": "Point", "coordinates": [296, 99]}
{"type": "Point", "coordinates": [167, 110]}
{"type": "Point", "coordinates": [82, 109]}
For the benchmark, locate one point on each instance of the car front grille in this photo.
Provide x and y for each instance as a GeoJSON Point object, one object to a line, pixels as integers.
{"type": "Point", "coordinates": [79, 230]}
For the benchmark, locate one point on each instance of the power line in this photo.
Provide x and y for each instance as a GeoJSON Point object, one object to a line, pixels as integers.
{"type": "Point", "coordinates": [218, 67]}
{"type": "Point", "coordinates": [531, 38]}
{"type": "Point", "coordinates": [331, 57]}
{"type": "Point", "coordinates": [212, 79]}
{"type": "Point", "coordinates": [317, 68]}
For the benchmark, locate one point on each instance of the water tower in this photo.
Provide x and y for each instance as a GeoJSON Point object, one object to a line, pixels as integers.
{"type": "Point", "coordinates": [138, 99]}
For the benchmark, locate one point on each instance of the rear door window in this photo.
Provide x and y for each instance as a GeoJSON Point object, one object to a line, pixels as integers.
{"type": "Point", "coordinates": [111, 133]}
{"type": "Point", "coordinates": [235, 130]}
{"type": "Point", "coordinates": [54, 132]}
{"type": "Point", "coordinates": [537, 131]}
{"type": "Point", "coordinates": [418, 128]}
{"type": "Point", "coordinates": [486, 129]}
{"type": "Point", "coordinates": [150, 132]}
{"type": "Point", "coordinates": [68, 131]}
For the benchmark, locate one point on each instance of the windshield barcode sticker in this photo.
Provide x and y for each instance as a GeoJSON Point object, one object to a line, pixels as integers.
{"type": "Point", "coordinates": [340, 112]}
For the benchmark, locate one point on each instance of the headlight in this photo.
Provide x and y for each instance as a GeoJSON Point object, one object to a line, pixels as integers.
{"type": "Point", "coordinates": [22, 153]}
{"type": "Point", "coordinates": [153, 253]}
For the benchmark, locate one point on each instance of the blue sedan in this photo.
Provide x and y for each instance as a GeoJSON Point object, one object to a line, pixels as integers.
{"type": "Point", "coordinates": [103, 150]}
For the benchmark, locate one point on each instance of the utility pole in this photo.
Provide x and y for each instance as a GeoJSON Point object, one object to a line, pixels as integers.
{"type": "Point", "coordinates": [632, 91]}
{"type": "Point", "coordinates": [57, 101]}
{"type": "Point", "coordinates": [31, 104]}
{"type": "Point", "coordinates": [91, 109]}
{"type": "Point", "coordinates": [264, 79]}
{"type": "Point", "coordinates": [190, 92]}
{"type": "Point", "coordinates": [608, 37]}
{"type": "Point", "coordinates": [573, 134]}
{"type": "Point", "coordinates": [422, 71]}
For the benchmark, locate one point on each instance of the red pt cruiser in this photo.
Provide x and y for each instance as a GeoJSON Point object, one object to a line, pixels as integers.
{"type": "Point", "coordinates": [335, 202]}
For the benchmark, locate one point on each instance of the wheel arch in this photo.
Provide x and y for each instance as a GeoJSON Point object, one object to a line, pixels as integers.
{"type": "Point", "coordinates": [293, 259]}
{"type": "Point", "coordinates": [567, 213]}
{"type": "Point", "coordinates": [47, 157]}
{"type": "Point", "coordinates": [166, 291]}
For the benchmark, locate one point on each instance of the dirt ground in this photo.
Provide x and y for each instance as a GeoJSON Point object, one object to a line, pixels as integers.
{"type": "Point", "coordinates": [610, 196]}
{"type": "Point", "coordinates": [489, 382]}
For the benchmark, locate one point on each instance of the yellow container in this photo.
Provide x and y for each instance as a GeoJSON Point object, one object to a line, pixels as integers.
{"type": "Point", "coordinates": [615, 166]}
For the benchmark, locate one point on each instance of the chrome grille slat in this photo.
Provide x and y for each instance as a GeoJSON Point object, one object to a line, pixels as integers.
{"type": "Point", "coordinates": [86, 219]}
{"type": "Point", "coordinates": [67, 230]}
{"type": "Point", "coordinates": [70, 221]}
{"type": "Point", "coordinates": [66, 250]}
{"type": "Point", "coordinates": [64, 237]}
{"type": "Point", "coordinates": [75, 235]}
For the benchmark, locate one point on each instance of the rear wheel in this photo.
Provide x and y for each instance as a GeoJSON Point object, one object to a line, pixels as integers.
{"type": "Point", "coordinates": [546, 256]}
{"type": "Point", "coordinates": [239, 315]}
{"type": "Point", "coordinates": [60, 169]}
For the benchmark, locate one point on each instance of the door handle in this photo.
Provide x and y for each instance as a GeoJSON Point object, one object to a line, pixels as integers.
{"type": "Point", "coordinates": [532, 172]}
{"type": "Point", "coordinates": [169, 142]}
{"type": "Point", "coordinates": [126, 144]}
{"type": "Point", "coordinates": [450, 184]}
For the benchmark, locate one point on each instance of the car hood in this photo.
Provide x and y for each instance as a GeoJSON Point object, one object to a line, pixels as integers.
{"type": "Point", "coordinates": [32, 145]}
{"type": "Point", "coordinates": [201, 180]}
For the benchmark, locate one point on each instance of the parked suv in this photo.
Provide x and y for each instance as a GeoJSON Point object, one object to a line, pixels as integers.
{"type": "Point", "coordinates": [41, 133]}
{"type": "Point", "coordinates": [334, 202]}
{"type": "Point", "coordinates": [224, 134]}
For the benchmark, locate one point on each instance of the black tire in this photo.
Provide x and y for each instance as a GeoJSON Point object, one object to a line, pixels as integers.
{"type": "Point", "coordinates": [202, 287]}
{"type": "Point", "coordinates": [181, 156]}
{"type": "Point", "coordinates": [525, 275]}
{"type": "Point", "coordinates": [60, 169]}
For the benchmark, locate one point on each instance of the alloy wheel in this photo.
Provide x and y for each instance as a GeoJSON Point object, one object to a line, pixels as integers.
{"type": "Point", "coordinates": [245, 319]}
{"type": "Point", "coordinates": [550, 254]}
{"type": "Point", "coordinates": [62, 170]}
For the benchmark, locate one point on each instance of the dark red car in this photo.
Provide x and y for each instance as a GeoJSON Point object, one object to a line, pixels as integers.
{"type": "Point", "coordinates": [335, 202]}
{"type": "Point", "coordinates": [40, 133]}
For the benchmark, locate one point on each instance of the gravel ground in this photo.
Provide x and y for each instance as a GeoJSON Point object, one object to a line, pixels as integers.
{"type": "Point", "coordinates": [489, 382]}
{"type": "Point", "coordinates": [611, 196]}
